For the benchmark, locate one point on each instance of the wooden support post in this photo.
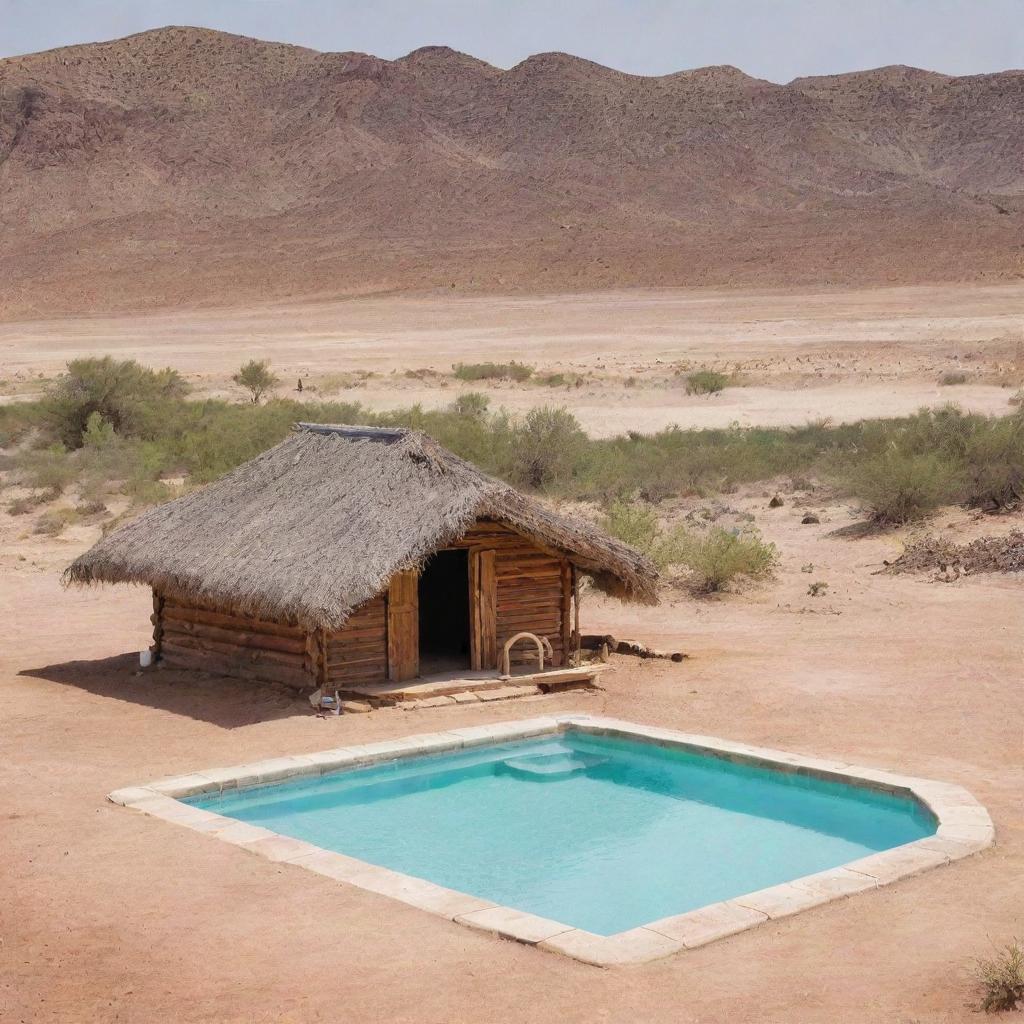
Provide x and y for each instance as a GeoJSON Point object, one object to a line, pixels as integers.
{"type": "Point", "coordinates": [403, 626]}
{"type": "Point", "coordinates": [157, 619]}
{"type": "Point", "coordinates": [321, 676]}
{"type": "Point", "coordinates": [577, 655]}
{"type": "Point", "coordinates": [483, 609]}
{"type": "Point", "coordinates": [315, 660]}
{"type": "Point", "coordinates": [566, 612]}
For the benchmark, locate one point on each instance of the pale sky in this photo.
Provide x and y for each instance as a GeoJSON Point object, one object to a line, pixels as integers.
{"type": "Point", "coordinates": [774, 39]}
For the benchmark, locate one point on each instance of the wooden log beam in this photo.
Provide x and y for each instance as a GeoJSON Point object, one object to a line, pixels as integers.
{"type": "Point", "coordinates": [185, 658]}
{"type": "Point", "coordinates": [378, 643]}
{"type": "Point", "coordinates": [258, 641]}
{"type": "Point", "coordinates": [181, 613]}
{"type": "Point", "coordinates": [243, 655]}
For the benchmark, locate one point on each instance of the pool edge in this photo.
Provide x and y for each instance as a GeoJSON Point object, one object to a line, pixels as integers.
{"type": "Point", "coordinates": [963, 828]}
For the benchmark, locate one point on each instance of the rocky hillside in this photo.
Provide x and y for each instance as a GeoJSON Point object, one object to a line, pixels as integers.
{"type": "Point", "coordinates": [189, 166]}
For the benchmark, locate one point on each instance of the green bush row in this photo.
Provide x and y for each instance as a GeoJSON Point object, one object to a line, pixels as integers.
{"type": "Point", "coordinates": [493, 371]}
{"type": "Point", "coordinates": [119, 422]}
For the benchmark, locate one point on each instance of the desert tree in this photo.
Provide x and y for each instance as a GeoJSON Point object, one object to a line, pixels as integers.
{"type": "Point", "coordinates": [256, 377]}
{"type": "Point", "coordinates": [128, 397]}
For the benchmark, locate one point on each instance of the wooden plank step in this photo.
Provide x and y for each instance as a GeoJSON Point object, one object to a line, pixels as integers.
{"type": "Point", "coordinates": [470, 682]}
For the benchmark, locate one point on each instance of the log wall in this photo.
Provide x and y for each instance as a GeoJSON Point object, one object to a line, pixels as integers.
{"type": "Point", "coordinates": [533, 593]}
{"type": "Point", "coordinates": [190, 635]}
{"type": "Point", "coordinates": [532, 588]}
{"type": "Point", "coordinates": [358, 652]}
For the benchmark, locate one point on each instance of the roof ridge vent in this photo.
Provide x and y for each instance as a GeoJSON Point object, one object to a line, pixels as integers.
{"type": "Point", "coordinates": [386, 434]}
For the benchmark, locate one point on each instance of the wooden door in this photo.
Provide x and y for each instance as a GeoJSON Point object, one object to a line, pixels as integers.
{"type": "Point", "coordinates": [404, 626]}
{"type": "Point", "coordinates": [483, 610]}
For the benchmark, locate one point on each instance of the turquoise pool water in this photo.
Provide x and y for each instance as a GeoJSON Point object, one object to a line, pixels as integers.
{"type": "Point", "coordinates": [599, 833]}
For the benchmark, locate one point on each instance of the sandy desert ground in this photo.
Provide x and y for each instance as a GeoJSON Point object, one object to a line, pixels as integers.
{"type": "Point", "coordinates": [798, 356]}
{"type": "Point", "coordinates": [109, 915]}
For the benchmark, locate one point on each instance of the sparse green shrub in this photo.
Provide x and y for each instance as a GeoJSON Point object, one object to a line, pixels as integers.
{"type": "Point", "coordinates": [99, 434]}
{"type": "Point", "coordinates": [47, 469]}
{"type": "Point", "coordinates": [715, 558]}
{"type": "Point", "coordinates": [17, 419]}
{"type": "Point", "coordinates": [493, 371]}
{"type": "Point", "coordinates": [898, 488]}
{"type": "Point", "coordinates": [1001, 979]}
{"type": "Point", "coordinates": [144, 491]}
{"type": "Point", "coordinates": [706, 382]}
{"type": "Point", "coordinates": [92, 501]}
{"type": "Point", "coordinates": [130, 397]}
{"type": "Point", "coordinates": [552, 380]}
{"type": "Point", "coordinates": [472, 404]}
{"type": "Point", "coordinates": [634, 523]}
{"type": "Point", "coordinates": [256, 377]}
{"type": "Point", "coordinates": [938, 456]}
{"type": "Point", "coordinates": [993, 458]}
{"type": "Point", "coordinates": [817, 588]}
{"type": "Point", "coordinates": [103, 459]}
{"type": "Point", "coordinates": [721, 556]}
{"type": "Point", "coordinates": [546, 448]}
{"type": "Point", "coordinates": [952, 379]}
{"type": "Point", "coordinates": [53, 522]}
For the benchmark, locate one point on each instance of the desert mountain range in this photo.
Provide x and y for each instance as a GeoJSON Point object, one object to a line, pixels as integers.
{"type": "Point", "coordinates": [186, 166]}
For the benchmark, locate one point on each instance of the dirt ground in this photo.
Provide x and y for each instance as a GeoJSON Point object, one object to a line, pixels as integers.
{"type": "Point", "coordinates": [109, 915]}
{"type": "Point", "coordinates": [841, 354]}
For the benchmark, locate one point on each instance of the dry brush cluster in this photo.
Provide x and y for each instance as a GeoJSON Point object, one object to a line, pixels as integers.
{"type": "Point", "coordinates": [107, 427]}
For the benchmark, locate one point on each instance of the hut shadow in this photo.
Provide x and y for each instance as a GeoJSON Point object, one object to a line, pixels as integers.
{"type": "Point", "coordinates": [223, 701]}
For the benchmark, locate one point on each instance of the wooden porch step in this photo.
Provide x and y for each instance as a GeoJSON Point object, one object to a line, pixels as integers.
{"type": "Point", "coordinates": [471, 682]}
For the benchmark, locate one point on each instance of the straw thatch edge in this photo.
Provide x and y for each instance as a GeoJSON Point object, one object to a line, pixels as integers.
{"type": "Point", "coordinates": [124, 557]}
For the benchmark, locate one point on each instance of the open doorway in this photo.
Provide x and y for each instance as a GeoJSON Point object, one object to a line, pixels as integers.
{"type": "Point", "coordinates": [444, 613]}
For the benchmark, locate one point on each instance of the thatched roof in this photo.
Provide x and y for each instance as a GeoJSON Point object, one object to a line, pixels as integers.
{"type": "Point", "coordinates": [317, 525]}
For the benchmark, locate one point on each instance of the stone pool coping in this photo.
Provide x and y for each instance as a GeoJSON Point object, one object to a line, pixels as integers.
{"type": "Point", "coordinates": [964, 828]}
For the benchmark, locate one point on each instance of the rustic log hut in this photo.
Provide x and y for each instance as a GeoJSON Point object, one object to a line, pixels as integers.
{"type": "Point", "coordinates": [352, 556]}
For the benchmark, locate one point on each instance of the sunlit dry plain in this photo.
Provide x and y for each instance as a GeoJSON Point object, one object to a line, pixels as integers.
{"type": "Point", "coordinates": [111, 915]}
{"type": "Point", "coordinates": [797, 356]}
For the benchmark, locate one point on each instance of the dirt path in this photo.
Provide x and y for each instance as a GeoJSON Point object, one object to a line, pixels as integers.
{"type": "Point", "coordinates": [107, 915]}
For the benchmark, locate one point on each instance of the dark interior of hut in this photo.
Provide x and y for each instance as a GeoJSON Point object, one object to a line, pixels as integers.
{"type": "Point", "coordinates": [444, 613]}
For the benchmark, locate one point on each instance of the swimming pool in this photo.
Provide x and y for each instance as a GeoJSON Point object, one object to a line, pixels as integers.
{"type": "Point", "coordinates": [601, 833]}
{"type": "Point", "coordinates": [583, 835]}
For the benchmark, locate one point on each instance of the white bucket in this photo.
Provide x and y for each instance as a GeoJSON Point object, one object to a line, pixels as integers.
{"type": "Point", "coordinates": [145, 658]}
